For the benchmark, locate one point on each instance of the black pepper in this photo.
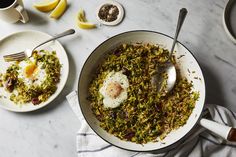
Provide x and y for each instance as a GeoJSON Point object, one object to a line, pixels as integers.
{"type": "Point", "coordinates": [108, 12]}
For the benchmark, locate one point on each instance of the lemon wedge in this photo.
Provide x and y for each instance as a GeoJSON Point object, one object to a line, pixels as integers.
{"type": "Point", "coordinates": [59, 10]}
{"type": "Point", "coordinates": [82, 21]}
{"type": "Point", "coordinates": [81, 16]}
{"type": "Point", "coordinates": [46, 5]}
{"type": "Point", "coordinates": [86, 25]}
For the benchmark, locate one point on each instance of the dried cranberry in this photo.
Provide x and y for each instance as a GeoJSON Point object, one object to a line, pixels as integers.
{"type": "Point", "coordinates": [56, 79]}
{"type": "Point", "coordinates": [129, 135]}
{"type": "Point", "coordinates": [122, 115]}
{"type": "Point", "coordinates": [157, 107]}
{"type": "Point", "coordinates": [10, 84]}
{"type": "Point", "coordinates": [126, 115]}
{"type": "Point", "coordinates": [125, 71]}
{"type": "Point", "coordinates": [100, 117]}
{"type": "Point", "coordinates": [113, 115]}
{"type": "Point", "coordinates": [35, 101]}
{"type": "Point", "coordinates": [117, 52]}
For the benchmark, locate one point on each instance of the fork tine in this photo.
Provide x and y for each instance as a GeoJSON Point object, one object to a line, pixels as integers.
{"type": "Point", "coordinates": [18, 58]}
{"type": "Point", "coordinates": [13, 59]}
{"type": "Point", "coordinates": [15, 54]}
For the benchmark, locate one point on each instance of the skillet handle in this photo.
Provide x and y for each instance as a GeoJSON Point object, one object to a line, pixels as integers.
{"type": "Point", "coordinates": [232, 135]}
{"type": "Point", "coordinates": [226, 132]}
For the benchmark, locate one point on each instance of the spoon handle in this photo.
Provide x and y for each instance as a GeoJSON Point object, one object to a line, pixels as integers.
{"type": "Point", "coordinates": [68, 32]}
{"type": "Point", "coordinates": [182, 14]}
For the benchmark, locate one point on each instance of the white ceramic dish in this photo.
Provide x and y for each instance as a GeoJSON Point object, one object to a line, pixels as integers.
{"type": "Point", "coordinates": [28, 39]}
{"type": "Point", "coordinates": [229, 21]}
{"type": "Point", "coordinates": [119, 17]}
{"type": "Point", "coordinates": [187, 62]}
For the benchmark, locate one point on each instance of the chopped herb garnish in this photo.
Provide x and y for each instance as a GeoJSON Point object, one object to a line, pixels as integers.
{"type": "Point", "coordinates": [145, 115]}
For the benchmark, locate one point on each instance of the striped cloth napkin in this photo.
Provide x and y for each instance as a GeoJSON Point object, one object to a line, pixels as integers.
{"type": "Point", "coordinates": [198, 144]}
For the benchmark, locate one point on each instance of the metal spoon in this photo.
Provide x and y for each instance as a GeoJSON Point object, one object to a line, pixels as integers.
{"type": "Point", "coordinates": [157, 80]}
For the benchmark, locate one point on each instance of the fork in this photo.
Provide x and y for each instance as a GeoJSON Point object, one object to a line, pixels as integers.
{"type": "Point", "coordinates": [28, 52]}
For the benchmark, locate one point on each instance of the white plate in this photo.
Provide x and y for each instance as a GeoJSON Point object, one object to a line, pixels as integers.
{"type": "Point", "coordinates": [28, 39]}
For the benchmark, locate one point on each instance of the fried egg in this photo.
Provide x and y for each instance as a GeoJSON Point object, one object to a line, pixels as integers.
{"type": "Point", "coordinates": [114, 89]}
{"type": "Point", "coordinates": [31, 73]}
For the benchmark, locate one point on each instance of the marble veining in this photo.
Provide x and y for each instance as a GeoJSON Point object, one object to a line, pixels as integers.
{"type": "Point", "coordinates": [51, 131]}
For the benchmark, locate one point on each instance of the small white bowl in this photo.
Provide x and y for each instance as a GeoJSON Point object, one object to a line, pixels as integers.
{"type": "Point", "coordinates": [119, 16]}
{"type": "Point", "coordinates": [228, 22]}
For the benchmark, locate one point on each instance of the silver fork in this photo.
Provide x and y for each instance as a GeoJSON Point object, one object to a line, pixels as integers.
{"type": "Point", "coordinates": [28, 52]}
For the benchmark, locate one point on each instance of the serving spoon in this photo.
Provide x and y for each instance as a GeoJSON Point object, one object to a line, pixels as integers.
{"type": "Point", "coordinates": [157, 79]}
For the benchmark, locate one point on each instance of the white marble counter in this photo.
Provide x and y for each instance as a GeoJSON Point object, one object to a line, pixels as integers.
{"type": "Point", "coordinates": [51, 130]}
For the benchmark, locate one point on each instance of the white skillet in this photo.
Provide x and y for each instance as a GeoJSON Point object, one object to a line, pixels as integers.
{"type": "Point", "coordinates": [186, 62]}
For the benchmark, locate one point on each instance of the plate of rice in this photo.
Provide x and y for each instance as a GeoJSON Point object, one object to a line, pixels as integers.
{"type": "Point", "coordinates": [34, 82]}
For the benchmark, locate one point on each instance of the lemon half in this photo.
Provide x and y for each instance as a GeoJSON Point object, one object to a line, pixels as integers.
{"type": "Point", "coordinates": [46, 6]}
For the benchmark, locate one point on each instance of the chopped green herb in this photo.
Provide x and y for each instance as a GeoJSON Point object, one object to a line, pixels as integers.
{"type": "Point", "coordinates": [145, 115]}
{"type": "Point", "coordinates": [35, 93]}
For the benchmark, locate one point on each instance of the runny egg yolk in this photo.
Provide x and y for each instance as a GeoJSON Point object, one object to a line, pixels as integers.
{"type": "Point", "coordinates": [113, 89]}
{"type": "Point", "coordinates": [30, 70]}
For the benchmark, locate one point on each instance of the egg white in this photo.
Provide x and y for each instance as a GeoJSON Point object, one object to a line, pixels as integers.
{"type": "Point", "coordinates": [39, 74]}
{"type": "Point", "coordinates": [112, 77]}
